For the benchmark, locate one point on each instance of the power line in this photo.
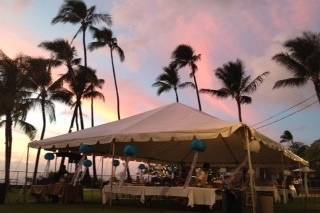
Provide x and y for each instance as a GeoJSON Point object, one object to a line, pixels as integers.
{"type": "Point", "coordinates": [270, 123]}
{"type": "Point", "coordinates": [283, 111]}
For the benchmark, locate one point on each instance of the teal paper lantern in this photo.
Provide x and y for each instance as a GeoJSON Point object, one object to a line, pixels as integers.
{"type": "Point", "coordinates": [198, 145]}
{"type": "Point", "coordinates": [49, 156]}
{"type": "Point", "coordinates": [116, 163]}
{"type": "Point", "coordinates": [87, 163]}
{"type": "Point", "coordinates": [85, 149]}
{"type": "Point", "coordinates": [130, 150]}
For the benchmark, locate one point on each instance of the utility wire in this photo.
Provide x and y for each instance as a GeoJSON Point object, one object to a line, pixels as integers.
{"type": "Point", "coordinates": [283, 111]}
{"type": "Point", "coordinates": [270, 123]}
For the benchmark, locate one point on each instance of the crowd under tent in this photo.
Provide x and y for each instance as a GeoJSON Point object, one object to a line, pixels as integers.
{"type": "Point", "coordinates": [165, 135]}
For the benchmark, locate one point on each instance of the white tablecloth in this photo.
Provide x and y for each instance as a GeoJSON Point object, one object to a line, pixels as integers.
{"type": "Point", "coordinates": [195, 195]}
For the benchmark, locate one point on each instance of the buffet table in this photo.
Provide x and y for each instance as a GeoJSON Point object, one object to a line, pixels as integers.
{"type": "Point", "coordinates": [195, 195]}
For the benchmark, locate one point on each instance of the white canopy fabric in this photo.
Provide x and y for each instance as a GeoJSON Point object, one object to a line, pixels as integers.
{"type": "Point", "coordinates": [165, 134]}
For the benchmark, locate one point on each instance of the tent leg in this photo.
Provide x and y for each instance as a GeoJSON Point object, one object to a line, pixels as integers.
{"type": "Point", "coordinates": [306, 184]}
{"type": "Point", "coordinates": [253, 200]}
{"type": "Point", "coordinates": [26, 177]}
{"type": "Point", "coordinates": [101, 169]}
{"type": "Point", "coordinates": [112, 173]}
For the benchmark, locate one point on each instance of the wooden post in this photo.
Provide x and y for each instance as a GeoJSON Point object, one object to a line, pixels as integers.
{"type": "Point", "coordinates": [252, 188]}
{"type": "Point", "coordinates": [102, 169]}
{"type": "Point", "coordinates": [26, 177]}
{"type": "Point", "coordinates": [111, 179]}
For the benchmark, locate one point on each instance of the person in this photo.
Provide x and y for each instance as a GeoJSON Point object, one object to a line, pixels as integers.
{"type": "Point", "coordinates": [202, 175]}
{"type": "Point", "coordinates": [62, 172]}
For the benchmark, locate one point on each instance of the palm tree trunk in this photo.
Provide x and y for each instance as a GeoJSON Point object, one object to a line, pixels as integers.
{"type": "Point", "coordinates": [115, 84]}
{"type": "Point", "coordinates": [176, 92]}
{"type": "Point", "coordinates": [239, 110]}
{"type": "Point", "coordinates": [84, 46]}
{"type": "Point", "coordinates": [44, 124]}
{"type": "Point", "coordinates": [8, 150]}
{"type": "Point", "coordinates": [73, 118]}
{"type": "Point", "coordinates": [77, 120]}
{"type": "Point", "coordinates": [92, 113]}
{"type": "Point", "coordinates": [81, 116]}
{"type": "Point", "coordinates": [316, 83]}
{"type": "Point", "coordinates": [197, 91]}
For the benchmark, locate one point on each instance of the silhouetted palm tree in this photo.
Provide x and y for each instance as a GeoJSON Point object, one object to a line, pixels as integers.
{"type": "Point", "coordinates": [83, 86]}
{"type": "Point", "coordinates": [236, 84]}
{"type": "Point", "coordinates": [77, 12]}
{"type": "Point", "coordinates": [63, 52]}
{"type": "Point", "coordinates": [169, 80]}
{"type": "Point", "coordinates": [66, 54]}
{"type": "Point", "coordinates": [14, 104]}
{"type": "Point", "coordinates": [39, 70]}
{"type": "Point", "coordinates": [184, 55]}
{"type": "Point", "coordinates": [287, 137]}
{"type": "Point", "coordinates": [302, 60]}
{"type": "Point", "coordinates": [104, 37]}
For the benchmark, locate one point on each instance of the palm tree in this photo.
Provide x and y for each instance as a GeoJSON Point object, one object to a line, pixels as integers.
{"type": "Point", "coordinates": [83, 86]}
{"type": "Point", "coordinates": [39, 70]}
{"type": "Point", "coordinates": [104, 37]}
{"type": "Point", "coordinates": [77, 12]}
{"type": "Point", "coordinates": [63, 52]}
{"type": "Point", "coordinates": [184, 55]}
{"type": "Point", "coordinates": [236, 84]}
{"type": "Point", "coordinates": [66, 54]}
{"type": "Point", "coordinates": [302, 60]}
{"type": "Point", "coordinates": [14, 104]}
{"type": "Point", "coordinates": [286, 137]}
{"type": "Point", "coordinates": [169, 80]}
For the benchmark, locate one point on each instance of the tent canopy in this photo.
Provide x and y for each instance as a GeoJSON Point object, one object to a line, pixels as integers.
{"type": "Point", "coordinates": [165, 134]}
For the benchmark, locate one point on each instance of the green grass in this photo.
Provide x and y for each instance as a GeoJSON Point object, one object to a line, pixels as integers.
{"type": "Point", "coordinates": [93, 198]}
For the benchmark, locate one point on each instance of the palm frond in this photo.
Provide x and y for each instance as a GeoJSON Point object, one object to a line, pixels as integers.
{"type": "Point", "coordinates": [50, 109]}
{"type": "Point", "coordinates": [253, 85]}
{"type": "Point", "coordinates": [187, 84]}
{"type": "Point", "coordinates": [120, 53]}
{"type": "Point", "coordinates": [27, 128]}
{"type": "Point", "coordinates": [290, 82]}
{"type": "Point", "coordinates": [245, 99]}
{"type": "Point", "coordinates": [96, 45]}
{"type": "Point", "coordinates": [94, 94]}
{"type": "Point", "coordinates": [294, 66]}
{"type": "Point", "coordinates": [221, 93]}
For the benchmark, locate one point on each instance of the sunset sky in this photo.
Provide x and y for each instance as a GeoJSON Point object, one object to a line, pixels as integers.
{"type": "Point", "coordinates": [148, 31]}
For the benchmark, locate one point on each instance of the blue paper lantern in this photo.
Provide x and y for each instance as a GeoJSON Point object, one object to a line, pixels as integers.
{"type": "Point", "coordinates": [130, 150]}
{"type": "Point", "coordinates": [85, 149]}
{"type": "Point", "coordinates": [142, 166]}
{"type": "Point", "coordinates": [198, 145]}
{"type": "Point", "coordinates": [87, 163]}
{"type": "Point", "coordinates": [49, 156]}
{"type": "Point", "coordinates": [116, 163]}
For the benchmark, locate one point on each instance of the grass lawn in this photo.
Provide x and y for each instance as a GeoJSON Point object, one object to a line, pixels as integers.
{"type": "Point", "coordinates": [92, 205]}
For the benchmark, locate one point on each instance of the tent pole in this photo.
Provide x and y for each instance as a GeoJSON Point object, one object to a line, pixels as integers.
{"type": "Point", "coordinates": [252, 188]}
{"type": "Point", "coordinates": [26, 177]}
{"type": "Point", "coordinates": [102, 169]}
{"type": "Point", "coordinates": [111, 179]}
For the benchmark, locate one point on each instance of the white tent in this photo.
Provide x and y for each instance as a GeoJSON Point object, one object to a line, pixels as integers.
{"type": "Point", "coordinates": [165, 134]}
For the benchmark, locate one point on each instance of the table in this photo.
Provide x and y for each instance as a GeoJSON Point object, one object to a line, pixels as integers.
{"type": "Point", "coordinates": [66, 193]}
{"type": "Point", "coordinates": [195, 195]}
{"type": "Point", "coordinates": [272, 189]}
